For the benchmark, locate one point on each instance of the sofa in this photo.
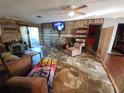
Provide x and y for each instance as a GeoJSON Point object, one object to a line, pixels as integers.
{"type": "Point", "coordinates": [26, 85]}
{"type": "Point", "coordinates": [19, 82]}
{"type": "Point", "coordinates": [76, 50]}
{"type": "Point", "coordinates": [19, 66]}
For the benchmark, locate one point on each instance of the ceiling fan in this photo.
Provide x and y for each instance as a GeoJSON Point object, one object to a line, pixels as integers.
{"type": "Point", "coordinates": [72, 10]}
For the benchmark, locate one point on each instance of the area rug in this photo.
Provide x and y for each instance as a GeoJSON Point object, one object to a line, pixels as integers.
{"type": "Point", "coordinates": [80, 74]}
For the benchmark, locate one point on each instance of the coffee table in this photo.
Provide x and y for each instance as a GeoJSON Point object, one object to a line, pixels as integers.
{"type": "Point", "coordinates": [33, 53]}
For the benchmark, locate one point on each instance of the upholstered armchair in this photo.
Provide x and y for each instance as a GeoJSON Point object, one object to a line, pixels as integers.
{"type": "Point", "coordinates": [20, 84]}
{"type": "Point", "coordinates": [76, 50]}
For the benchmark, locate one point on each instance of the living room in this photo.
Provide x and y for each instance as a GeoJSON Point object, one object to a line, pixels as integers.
{"type": "Point", "coordinates": [69, 46]}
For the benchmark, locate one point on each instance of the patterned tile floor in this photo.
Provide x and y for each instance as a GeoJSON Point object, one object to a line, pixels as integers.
{"type": "Point", "coordinates": [90, 75]}
{"type": "Point", "coordinates": [91, 67]}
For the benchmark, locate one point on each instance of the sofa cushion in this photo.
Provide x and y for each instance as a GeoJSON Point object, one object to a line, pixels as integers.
{"type": "Point", "coordinates": [77, 45]}
{"type": "Point", "coordinates": [7, 56]}
{"type": "Point", "coordinates": [20, 66]}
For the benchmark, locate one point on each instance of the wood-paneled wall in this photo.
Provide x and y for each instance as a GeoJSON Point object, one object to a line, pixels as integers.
{"type": "Point", "coordinates": [50, 35]}
{"type": "Point", "coordinates": [10, 32]}
{"type": "Point", "coordinates": [10, 29]}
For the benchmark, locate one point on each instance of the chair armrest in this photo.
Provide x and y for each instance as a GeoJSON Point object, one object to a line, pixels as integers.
{"type": "Point", "coordinates": [34, 84]}
{"type": "Point", "coordinates": [20, 66]}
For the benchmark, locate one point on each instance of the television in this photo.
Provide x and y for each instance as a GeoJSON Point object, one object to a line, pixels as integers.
{"type": "Point", "coordinates": [59, 26]}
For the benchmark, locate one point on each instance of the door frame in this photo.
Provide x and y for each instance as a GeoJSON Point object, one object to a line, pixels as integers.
{"type": "Point", "coordinates": [28, 36]}
{"type": "Point", "coordinates": [96, 38]}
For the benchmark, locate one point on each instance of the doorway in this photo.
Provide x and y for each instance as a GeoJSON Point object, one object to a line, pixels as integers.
{"type": "Point", "coordinates": [93, 37]}
{"type": "Point", "coordinates": [30, 35]}
{"type": "Point", "coordinates": [118, 47]}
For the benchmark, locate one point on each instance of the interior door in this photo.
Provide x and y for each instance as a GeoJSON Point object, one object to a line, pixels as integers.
{"type": "Point", "coordinates": [97, 36]}
{"type": "Point", "coordinates": [93, 37]}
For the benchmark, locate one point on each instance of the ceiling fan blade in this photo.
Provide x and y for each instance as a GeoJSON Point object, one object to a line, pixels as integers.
{"type": "Point", "coordinates": [63, 12]}
{"type": "Point", "coordinates": [67, 8]}
{"type": "Point", "coordinates": [79, 13]}
{"type": "Point", "coordinates": [80, 7]}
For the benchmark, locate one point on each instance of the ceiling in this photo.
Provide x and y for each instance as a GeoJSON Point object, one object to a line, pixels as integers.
{"type": "Point", "coordinates": [51, 11]}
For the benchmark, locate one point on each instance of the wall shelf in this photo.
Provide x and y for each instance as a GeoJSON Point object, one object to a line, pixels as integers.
{"type": "Point", "coordinates": [81, 35]}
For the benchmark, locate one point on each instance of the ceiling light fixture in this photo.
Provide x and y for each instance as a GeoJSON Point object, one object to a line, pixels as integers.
{"type": "Point", "coordinates": [71, 13]}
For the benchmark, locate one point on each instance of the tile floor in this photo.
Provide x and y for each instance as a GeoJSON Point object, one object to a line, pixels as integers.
{"type": "Point", "coordinates": [90, 75]}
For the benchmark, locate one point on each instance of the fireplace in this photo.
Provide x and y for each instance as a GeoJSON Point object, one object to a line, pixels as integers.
{"type": "Point", "coordinates": [17, 48]}
{"type": "Point", "coordinates": [14, 47]}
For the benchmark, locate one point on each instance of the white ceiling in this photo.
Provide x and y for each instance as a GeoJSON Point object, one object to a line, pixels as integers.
{"type": "Point", "coordinates": [50, 9]}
